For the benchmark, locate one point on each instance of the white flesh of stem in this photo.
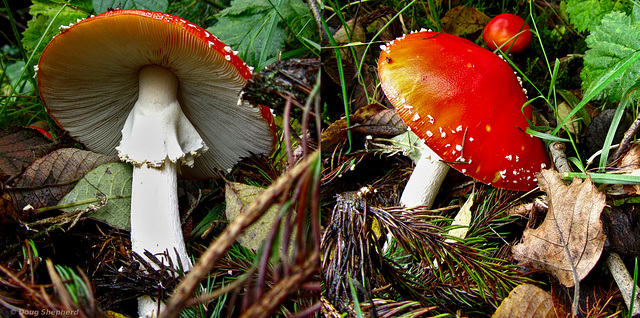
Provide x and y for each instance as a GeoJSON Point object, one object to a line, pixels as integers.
{"type": "Point", "coordinates": [425, 181]}
{"type": "Point", "coordinates": [156, 138]}
{"type": "Point", "coordinates": [155, 217]}
{"type": "Point", "coordinates": [155, 220]}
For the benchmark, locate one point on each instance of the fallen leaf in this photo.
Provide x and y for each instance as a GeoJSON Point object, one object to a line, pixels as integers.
{"type": "Point", "coordinates": [571, 236]}
{"type": "Point", "coordinates": [372, 119]}
{"type": "Point", "coordinates": [386, 122]}
{"type": "Point", "coordinates": [110, 182]}
{"type": "Point", "coordinates": [630, 162]}
{"type": "Point", "coordinates": [384, 24]}
{"type": "Point", "coordinates": [462, 220]}
{"type": "Point", "coordinates": [51, 177]}
{"type": "Point", "coordinates": [462, 20]}
{"type": "Point", "coordinates": [238, 196]}
{"type": "Point", "coordinates": [354, 37]}
{"type": "Point", "coordinates": [573, 124]}
{"type": "Point", "coordinates": [19, 147]}
{"type": "Point", "coordinates": [408, 143]}
{"type": "Point", "coordinates": [8, 212]}
{"type": "Point", "coordinates": [526, 300]}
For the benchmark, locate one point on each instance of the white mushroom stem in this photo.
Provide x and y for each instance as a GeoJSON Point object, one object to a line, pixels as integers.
{"type": "Point", "coordinates": [156, 138]}
{"type": "Point", "coordinates": [155, 221]}
{"type": "Point", "coordinates": [155, 217]}
{"type": "Point", "coordinates": [425, 181]}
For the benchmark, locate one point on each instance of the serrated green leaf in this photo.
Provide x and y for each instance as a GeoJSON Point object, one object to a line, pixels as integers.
{"type": "Point", "coordinates": [257, 30]}
{"type": "Point", "coordinates": [585, 15]}
{"type": "Point", "coordinates": [244, 34]}
{"type": "Point", "coordinates": [43, 12]}
{"type": "Point", "coordinates": [102, 6]}
{"type": "Point", "coordinates": [111, 181]}
{"type": "Point", "coordinates": [245, 7]}
{"type": "Point", "coordinates": [611, 46]}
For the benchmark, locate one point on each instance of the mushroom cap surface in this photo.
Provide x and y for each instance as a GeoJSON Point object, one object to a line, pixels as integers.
{"type": "Point", "coordinates": [467, 104]}
{"type": "Point", "coordinates": [88, 80]}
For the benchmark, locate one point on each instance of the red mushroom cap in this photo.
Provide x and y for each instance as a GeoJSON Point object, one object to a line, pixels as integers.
{"type": "Point", "coordinates": [467, 105]}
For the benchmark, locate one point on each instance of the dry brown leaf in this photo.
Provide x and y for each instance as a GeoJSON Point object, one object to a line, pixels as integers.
{"type": "Point", "coordinates": [463, 20]}
{"type": "Point", "coordinates": [526, 300]}
{"type": "Point", "coordinates": [571, 235]}
{"type": "Point", "coordinates": [573, 125]}
{"type": "Point", "coordinates": [384, 123]}
{"type": "Point", "coordinates": [372, 119]}
{"type": "Point", "coordinates": [19, 147]}
{"type": "Point", "coordinates": [49, 178]}
{"type": "Point", "coordinates": [630, 162]}
{"type": "Point", "coordinates": [356, 35]}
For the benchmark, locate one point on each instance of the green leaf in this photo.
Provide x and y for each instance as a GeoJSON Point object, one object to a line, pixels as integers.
{"type": "Point", "coordinates": [259, 29]}
{"type": "Point", "coordinates": [102, 6]}
{"type": "Point", "coordinates": [43, 12]}
{"type": "Point", "coordinates": [614, 45]}
{"type": "Point", "coordinates": [111, 181]}
{"type": "Point", "coordinates": [16, 75]}
{"type": "Point", "coordinates": [587, 14]}
{"type": "Point", "coordinates": [238, 197]}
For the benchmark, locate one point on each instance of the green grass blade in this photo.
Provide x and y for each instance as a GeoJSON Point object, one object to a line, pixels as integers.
{"type": "Point", "coordinates": [604, 178]}
{"type": "Point", "coordinates": [605, 79]}
{"type": "Point", "coordinates": [343, 84]}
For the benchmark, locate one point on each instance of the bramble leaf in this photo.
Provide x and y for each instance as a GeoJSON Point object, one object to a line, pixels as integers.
{"type": "Point", "coordinates": [255, 27]}
{"type": "Point", "coordinates": [43, 12]}
{"type": "Point", "coordinates": [611, 45]}
{"type": "Point", "coordinates": [586, 15]}
{"type": "Point", "coordinates": [102, 6]}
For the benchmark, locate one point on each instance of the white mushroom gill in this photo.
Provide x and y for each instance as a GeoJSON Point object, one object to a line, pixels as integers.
{"type": "Point", "coordinates": [157, 138]}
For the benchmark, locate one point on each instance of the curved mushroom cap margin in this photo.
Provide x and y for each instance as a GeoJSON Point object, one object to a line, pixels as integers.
{"type": "Point", "coordinates": [88, 80]}
{"type": "Point", "coordinates": [466, 104]}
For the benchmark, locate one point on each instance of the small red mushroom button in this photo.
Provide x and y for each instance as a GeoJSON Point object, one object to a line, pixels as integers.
{"type": "Point", "coordinates": [507, 31]}
{"type": "Point", "coordinates": [467, 105]}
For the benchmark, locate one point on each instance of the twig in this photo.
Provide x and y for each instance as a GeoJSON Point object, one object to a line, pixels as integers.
{"type": "Point", "coordinates": [626, 140]}
{"type": "Point", "coordinates": [220, 246]}
{"type": "Point", "coordinates": [557, 150]}
{"type": "Point", "coordinates": [316, 15]}
{"type": "Point", "coordinates": [625, 282]}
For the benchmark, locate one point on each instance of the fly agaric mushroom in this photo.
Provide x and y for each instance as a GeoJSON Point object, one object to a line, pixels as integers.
{"type": "Point", "coordinates": [467, 105]}
{"type": "Point", "coordinates": [161, 91]}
